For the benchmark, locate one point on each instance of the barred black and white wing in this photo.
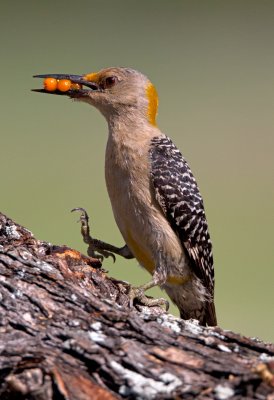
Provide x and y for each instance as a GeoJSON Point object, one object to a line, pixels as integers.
{"type": "Point", "coordinates": [177, 193]}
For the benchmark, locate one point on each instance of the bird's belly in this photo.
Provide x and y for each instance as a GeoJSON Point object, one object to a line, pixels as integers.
{"type": "Point", "coordinates": [140, 220]}
{"type": "Point", "coordinates": [152, 238]}
{"type": "Point", "coordinates": [143, 255]}
{"type": "Point", "coordinates": [136, 228]}
{"type": "Point", "coordinates": [148, 234]}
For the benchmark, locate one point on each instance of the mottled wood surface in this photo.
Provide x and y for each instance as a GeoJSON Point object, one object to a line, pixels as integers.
{"type": "Point", "coordinates": [67, 332]}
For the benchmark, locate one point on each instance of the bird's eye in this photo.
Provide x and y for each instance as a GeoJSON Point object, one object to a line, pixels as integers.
{"type": "Point", "coordinates": [109, 82]}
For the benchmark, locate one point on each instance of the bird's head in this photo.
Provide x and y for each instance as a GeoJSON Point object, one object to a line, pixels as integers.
{"type": "Point", "coordinates": [113, 91]}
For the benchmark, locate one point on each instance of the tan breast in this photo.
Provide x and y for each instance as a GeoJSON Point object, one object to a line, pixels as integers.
{"type": "Point", "coordinates": [138, 215]}
{"type": "Point", "coordinates": [127, 179]}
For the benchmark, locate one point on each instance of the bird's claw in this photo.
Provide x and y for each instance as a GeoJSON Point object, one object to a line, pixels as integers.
{"type": "Point", "coordinates": [94, 248]}
{"type": "Point", "coordinates": [84, 215]}
{"type": "Point", "coordinates": [105, 254]}
{"type": "Point", "coordinates": [137, 293]}
{"type": "Point", "coordinates": [81, 209]}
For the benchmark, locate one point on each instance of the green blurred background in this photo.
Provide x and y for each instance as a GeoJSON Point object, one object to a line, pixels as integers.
{"type": "Point", "coordinates": [213, 65]}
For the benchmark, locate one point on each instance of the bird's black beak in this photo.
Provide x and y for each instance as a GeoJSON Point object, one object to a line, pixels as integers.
{"type": "Point", "coordinates": [73, 91]}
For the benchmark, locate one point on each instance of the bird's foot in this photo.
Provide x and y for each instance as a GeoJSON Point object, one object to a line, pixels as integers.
{"type": "Point", "coordinates": [138, 294]}
{"type": "Point", "coordinates": [96, 248]}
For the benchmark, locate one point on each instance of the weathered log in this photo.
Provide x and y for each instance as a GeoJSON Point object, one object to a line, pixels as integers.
{"type": "Point", "coordinates": [67, 332]}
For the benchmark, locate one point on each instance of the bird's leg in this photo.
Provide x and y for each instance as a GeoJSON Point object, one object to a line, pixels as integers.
{"type": "Point", "coordinates": [98, 248]}
{"type": "Point", "coordinates": [138, 293]}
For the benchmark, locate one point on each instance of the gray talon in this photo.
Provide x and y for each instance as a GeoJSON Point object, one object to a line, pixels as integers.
{"type": "Point", "coordinates": [97, 248]}
{"type": "Point", "coordinates": [138, 293]}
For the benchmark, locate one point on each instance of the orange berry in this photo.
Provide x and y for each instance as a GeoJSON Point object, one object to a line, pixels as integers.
{"type": "Point", "coordinates": [76, 86]}
{"type": "Point", "coordinates": [50, 84]}
{"type": "Point", "coordinates": [64, 85]}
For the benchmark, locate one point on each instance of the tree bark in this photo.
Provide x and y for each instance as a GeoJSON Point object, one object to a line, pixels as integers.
{"type": "Point", "coordinates": [67, 332]}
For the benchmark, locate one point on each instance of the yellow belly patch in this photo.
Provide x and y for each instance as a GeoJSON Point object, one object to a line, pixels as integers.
{"type": "Point", "coordinates": [143, 257]}
{"type": "Point", "coordinates": [148, 263]}
{"type": "Point", "coordinates": [178, 280]}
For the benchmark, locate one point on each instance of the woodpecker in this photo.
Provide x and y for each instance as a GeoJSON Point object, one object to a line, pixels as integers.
{"type": "Point", "coordinates": [155, 199]}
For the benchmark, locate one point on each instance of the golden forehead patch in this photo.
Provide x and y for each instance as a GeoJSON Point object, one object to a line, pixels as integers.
{"type": "Point", "coordinates": [92, 77]}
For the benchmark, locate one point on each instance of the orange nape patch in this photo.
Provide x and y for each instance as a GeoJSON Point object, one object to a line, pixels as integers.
{"type": "Point", "coordinates": [153, 101]}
